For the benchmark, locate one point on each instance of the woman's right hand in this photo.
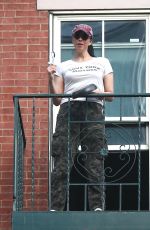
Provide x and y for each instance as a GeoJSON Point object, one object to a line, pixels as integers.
{"type": "Point", "coordinates": [51, 69]}
{"type": "Point", "coordinates": [56, 83]}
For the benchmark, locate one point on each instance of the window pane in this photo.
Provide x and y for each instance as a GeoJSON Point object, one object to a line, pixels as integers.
{"type": "Point", "coordinates": [126, 107]}
{"type": "Point", "coordinates": [125, 47]}
{"type": "Point", "coordinates": [124, 31]}
{"type": "Point", "coordinates": [127, 134]}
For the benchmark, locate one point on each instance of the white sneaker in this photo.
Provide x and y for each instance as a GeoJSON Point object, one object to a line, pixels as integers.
{"type": "Point", "coordinates": [98, 209]}
{"type": "Point", "coordinates": [52, 210]}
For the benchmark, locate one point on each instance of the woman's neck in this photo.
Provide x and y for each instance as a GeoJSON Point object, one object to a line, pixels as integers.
{"type": "Point", "coordinates": [80, 57]}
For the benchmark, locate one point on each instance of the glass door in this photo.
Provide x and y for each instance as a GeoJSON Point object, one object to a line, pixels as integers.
{"type": "Point", "coordinates": [123, 41]}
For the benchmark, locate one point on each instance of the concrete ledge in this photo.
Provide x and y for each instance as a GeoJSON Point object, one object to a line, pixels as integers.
{"type": "Point", "coordinates": [91, 5]}
{"type": "Point", "coordinates": [81, 220]}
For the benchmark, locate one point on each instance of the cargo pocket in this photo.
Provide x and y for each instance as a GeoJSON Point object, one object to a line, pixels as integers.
{"type": "Point", "coordinates": [59, 145]}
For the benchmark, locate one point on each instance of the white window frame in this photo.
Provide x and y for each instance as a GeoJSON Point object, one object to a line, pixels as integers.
{"type": "Point", "coordinates": [55, 43]}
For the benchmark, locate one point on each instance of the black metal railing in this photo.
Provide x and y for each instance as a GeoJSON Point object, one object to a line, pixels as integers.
{"type": "Point", "coordinates": [19, 146]}
{"type": "Point", "coordinates": [123, 172]}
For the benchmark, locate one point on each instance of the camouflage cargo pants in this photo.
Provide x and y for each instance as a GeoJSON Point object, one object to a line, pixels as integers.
{"type": "Point", "coordinates": [87, 132]}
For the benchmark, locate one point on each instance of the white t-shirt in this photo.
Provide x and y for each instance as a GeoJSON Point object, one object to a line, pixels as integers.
{"type": "Point", "coordinates": [77, 75]}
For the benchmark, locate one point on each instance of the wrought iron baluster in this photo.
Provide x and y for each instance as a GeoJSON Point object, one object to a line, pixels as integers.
{"type": "Point", "coordinates": [120, 197]}
{"type": "Point", "coordinates": [19, 146]}
{"type": "Point", "coordinates": [50, 158]}
{"type": "Point", "coordinates": [139, 154]}
{"type": "Point", "coordinates": [20, 169]}
{"type": "Point", "coordinates": [68, 155]}
{"type": "Point", "coordinates": [33, 155]}
{"type": "Point", "coordinates": [85, 196]}
{"type": "Point", "coordinates": [16, 123]}
{"type": "Point", "coordinates": [121, 108]}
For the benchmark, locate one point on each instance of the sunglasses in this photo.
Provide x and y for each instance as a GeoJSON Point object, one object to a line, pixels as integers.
{"type": "Point", "coordinates": [81, 34]}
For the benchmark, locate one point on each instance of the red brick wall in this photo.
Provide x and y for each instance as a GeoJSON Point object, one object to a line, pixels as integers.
{"type": "Point", "coordinates": [23, 62]}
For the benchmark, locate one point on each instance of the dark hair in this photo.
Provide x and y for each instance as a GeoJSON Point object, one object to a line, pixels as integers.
{"type": "Point", "coordinates": [91, 51]}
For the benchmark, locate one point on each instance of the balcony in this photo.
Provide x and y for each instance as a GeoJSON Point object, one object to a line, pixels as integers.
{"type": "Point", "coordinates": [126, 167]}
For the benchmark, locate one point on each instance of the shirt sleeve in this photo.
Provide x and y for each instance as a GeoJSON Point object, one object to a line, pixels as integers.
{"type": "Point", "coordinates": [108, 67]}
{"type": "Point", "coordinates": [59, 70]}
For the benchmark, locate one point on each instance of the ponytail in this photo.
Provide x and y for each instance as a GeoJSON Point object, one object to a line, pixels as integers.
{"type": "Point", "coordinates": [91, 51]}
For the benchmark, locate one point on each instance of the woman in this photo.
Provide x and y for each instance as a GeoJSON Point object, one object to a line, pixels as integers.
{"type": "Point", "coordinates": [86, 126]}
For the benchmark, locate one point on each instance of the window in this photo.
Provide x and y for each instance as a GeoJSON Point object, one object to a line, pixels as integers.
{"type": "Point", "coordinates": [123, 42]}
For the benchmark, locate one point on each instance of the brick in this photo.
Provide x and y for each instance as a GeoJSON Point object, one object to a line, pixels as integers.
{"type": "Point", "coordinates": [17, 76]}
{"type": "Point", "coordinates": [21, 82]}
{"type": "Point", "coordinates": [7, 188]}
{"type": "Point", "coordinates": [27, 69]}
{"type": "Point", "coordinates": [38, 76]}
{"type": "Point", "coordinates": [7, 27]}
{"type": "Point", "coordinates": [5, 225]}
{"type": "Point", "coordinates": [6, 139]}
{"type": "Point", "coordinates": [4, 210]}
{"type": "Point", "coordinates": [1, 7]}
{"type": "Point", "coordinates": [43, 14]}
{"type": "Point", "coordinates": [37, 48]}
{"type": "Point", "coordinates": [44, 27]}
{"type": "Point", "coordinates": [16, 34]}
{"type": "Point", "coordinates": [7, 55]}
{"type": "Point", "coordinates": [14, 61]}
{"type": "Point", "coordinates": [2, 13]}
{"type": "Point", "coordinates": [6, 83]}
{"type": "Point", "coordinates": [35, 41]}
{"type": "Point", "coordinates": [8, 105]}
{"type": "Point", "coordinates": [18, 6]}
{"type": "Point", "coordinates": [44, 69]}
{"type": "Point", "coordinates": [7, 153]}
{"type": "Point", "coordinates": [7, 125]}
{"type": "Point", "coordinates": [8, 1]}
{"type": "Point", "coordinates": [38, 20]}
{"type": "Point", "coordinates": [15, 48]}
{"type": "Point", "coordinates": [14, 90]}
{"type": "Point", "coordinates": [7, 118]}
{"type": "Point", "coordinates": [8, 146]}
{"type": "Point", "coordinates": [37, 89]}
{"type": "Point", "coordinates": [38, 34]}
{"type": "Point", "coordinates": [17, 1]}
{"type": "Point", "coordinates": [25, 1]}
{"type": "Point", "coordinates": [5, 218]}
{"type": "Point", "coordinates": [6, 175]}
{"type": "Point", "coordinates": [5, 195]}
{"type": "Point", "coordinates": [5, 96]}
{"type": "Point", "coordinates": [10, 13]}
{"type": "Point", "coordinates": [23, 60]}
{"type": "Point", "coordinates": [7, 41]}
{"type": "Point", "coordinates": [7, 69]}
{"type": "Point", "coordinates": [21, 41]}
{"type": "Point", "coordinates": [36, 62]}
{"type": "Point", "coordinates": [6, 182]}
{"type": "Point", "coordinates": [28, 55]}
{"type": "Point", "coordinates": [7, 161]}
{"type": "Point", "coordinates": [28, 27]}
{"type": "Point", "coordinates": [29, 13]}
{"type": "Point", "coordinates": [10, 20]}
{"type": "Point", "coordinates": [7, 133]}
{"type": "Point", "coordinates": [6, 203]}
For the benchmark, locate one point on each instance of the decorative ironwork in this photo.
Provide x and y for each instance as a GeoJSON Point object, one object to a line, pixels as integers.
{"type": "Point", "coordinates": [124, 156]}
{"type": "Point", "coordinates": [127, 156]}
